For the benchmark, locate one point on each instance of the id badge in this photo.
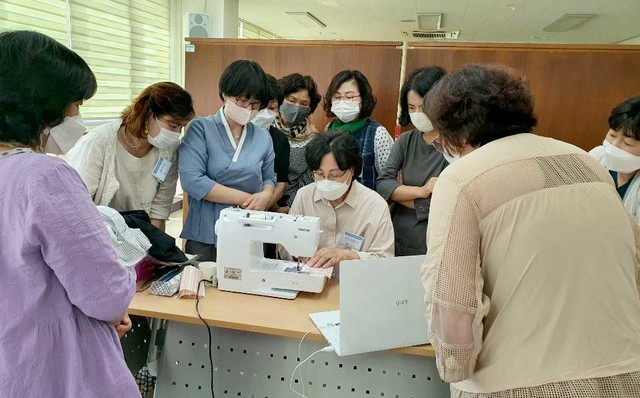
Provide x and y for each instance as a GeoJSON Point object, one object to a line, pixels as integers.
{"type": "Point", "coordinates": [351, 241]}
{"type": "Point", "coordinates": [162, 168]}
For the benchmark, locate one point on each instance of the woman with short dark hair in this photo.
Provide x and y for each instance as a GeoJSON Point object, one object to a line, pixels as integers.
{"type": "Point", "coordinates": [351, 101]}
{"type": "Point", "coordinates": [224, 159]}
{"type": "Point", "coordinates": [131, 163]}
{"type": "Point", "coordinates": [620, 153]}
{"type": "Point", "coordinates": [413, 166]}
{"type": "Point", "coordinates": [301, 99]}
{"type": "Point", "coordinates": [346, 207]}
{"type": "Point", "coordinates": [530, 276]}
{"type": "Point", "coordinates": [62, 288]}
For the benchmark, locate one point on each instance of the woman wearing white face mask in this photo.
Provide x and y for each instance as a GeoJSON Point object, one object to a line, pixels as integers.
{"type": "Point", "coordinates": [414, 164]}
{"type": "Point", "coordinates": [64, 293]}
{"type": "Point", "coordinates": [131, 163]}
{"type": "Point", "coordinates": [355, 220]}
{"type": "Point", "coordinates": [350, 99]}
{"type": "Point", "coordinates": [225, 160]}
{"type": "Point", "coordinates": [620, 153]}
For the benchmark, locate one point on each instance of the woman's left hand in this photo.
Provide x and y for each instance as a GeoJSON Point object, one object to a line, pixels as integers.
{"type": "Point", "coordinates": [331, 257]}
{"type": "Point", "coordinates": [258, 201]}
{"type": "Point", "coordinates": [124, 326]}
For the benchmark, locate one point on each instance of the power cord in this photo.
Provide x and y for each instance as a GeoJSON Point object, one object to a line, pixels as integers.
{"type": "Point", "coordinates": [213, 395]}
{"type": "Point", "coordinates": [325, 349]}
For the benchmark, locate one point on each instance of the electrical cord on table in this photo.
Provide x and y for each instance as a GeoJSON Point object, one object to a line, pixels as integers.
{"type": "Point", "coordinates": [213, 395]}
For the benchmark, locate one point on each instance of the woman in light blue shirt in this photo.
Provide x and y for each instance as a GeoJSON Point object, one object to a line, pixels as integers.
{"type": "Point", "coordinates": [226, 161]}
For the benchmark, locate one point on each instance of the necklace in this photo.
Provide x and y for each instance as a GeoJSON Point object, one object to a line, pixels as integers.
{"type": "Point", "coordinates": [126, 139]}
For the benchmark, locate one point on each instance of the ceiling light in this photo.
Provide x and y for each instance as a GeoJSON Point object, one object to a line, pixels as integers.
{"type": "Point", "coordinates": [306, 18]}
{"type": "Point", "coordinates": [568, 22]}
{"type": "Point", "coordinates": [429, 21]}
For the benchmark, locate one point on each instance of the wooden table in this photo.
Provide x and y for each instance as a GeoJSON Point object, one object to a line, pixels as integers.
{"type": "Point", "coordinates": [266, 315]}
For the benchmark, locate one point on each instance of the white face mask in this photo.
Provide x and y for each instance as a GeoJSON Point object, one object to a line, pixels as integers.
{"type": "Point", "coordinates": [346, 112]}
{"type": "Point", "coordinates": [265, 118]}
{"type": "Point", "coordinates": [63, 137]}
{"type": "Point", "coordinates": [165, 140]}
{"type": "Point", "coordinates": [450, 158]}
{"type": "Point", "coordinates": [619, 160]}
{"type": "Point", "coordinates": [421, 121]}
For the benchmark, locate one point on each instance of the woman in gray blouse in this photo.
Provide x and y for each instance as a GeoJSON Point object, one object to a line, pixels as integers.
{"type": "Point", "coordinates": [414, 164]}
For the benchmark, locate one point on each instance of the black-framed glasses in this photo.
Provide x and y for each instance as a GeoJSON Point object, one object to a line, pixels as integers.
{"type": "Point", "coordinates": [245, 103]}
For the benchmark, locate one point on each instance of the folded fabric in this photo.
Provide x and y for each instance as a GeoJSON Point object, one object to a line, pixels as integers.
{"type": "Point", "coordinates": [189, 283]}
{"type": "Point", "coordinates": [163, 246]}
{"type": "Point", "coordinates": [131, 244]}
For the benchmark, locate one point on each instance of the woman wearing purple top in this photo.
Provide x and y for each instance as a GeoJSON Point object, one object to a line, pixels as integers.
{"type": "Point", "coordinates": [61, 287]}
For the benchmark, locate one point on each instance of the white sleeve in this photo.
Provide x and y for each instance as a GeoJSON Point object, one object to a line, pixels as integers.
{"type": "Point", "coordinates": [382, 148]}
{"type": "Point", "coordinates": [86, 157]}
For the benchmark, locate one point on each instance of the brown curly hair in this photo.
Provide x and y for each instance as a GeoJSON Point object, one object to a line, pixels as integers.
{"type": "Point", "coordinates": [479, 104]}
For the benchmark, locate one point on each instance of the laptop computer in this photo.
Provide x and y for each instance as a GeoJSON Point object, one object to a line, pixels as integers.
{"type": "Point", "coordinates": [381, 307]}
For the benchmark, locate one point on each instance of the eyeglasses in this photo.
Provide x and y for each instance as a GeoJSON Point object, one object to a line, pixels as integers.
{"type": "Point", "coordinates": [347, 98]}
{"type": "Point", "coordinates": [245, 103]}
{"type": "Point", "coordinates": [438, 146]}
{"type": "Point", "coordinates": [333, 176]}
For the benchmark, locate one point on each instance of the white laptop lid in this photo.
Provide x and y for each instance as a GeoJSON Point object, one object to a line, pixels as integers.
{"type": "Point", "coordinates": [381, 304]}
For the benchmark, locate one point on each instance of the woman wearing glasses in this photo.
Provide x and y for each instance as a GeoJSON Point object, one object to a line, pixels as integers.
{"type": "Point", "coordinates": [224, 159]}
{"type": "Point", "coordinates": [355, 220]}
{"type": "Point", "coordinates": [413, 166]}
{"type": "Point", "coordinates": [350, 99]}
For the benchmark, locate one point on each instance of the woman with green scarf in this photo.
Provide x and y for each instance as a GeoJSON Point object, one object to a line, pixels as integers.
{"type": "Point", "coordinates": [350, 99]}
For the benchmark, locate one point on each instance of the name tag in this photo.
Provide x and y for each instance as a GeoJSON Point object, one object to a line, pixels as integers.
{"type": "Point", "coordinates": [351, 241]}
{"type": "Point", "coordinates": [162, 168]}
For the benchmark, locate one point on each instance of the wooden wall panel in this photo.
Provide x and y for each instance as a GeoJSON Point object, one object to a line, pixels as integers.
{"type": "Point", "coordinates": [574, 87]}
{"type": "Point", "coordinates": [379, 61]}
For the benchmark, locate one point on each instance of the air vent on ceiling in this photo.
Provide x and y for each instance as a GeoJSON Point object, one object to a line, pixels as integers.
{"type": "Point", "coordinates": [433, 34]}
{"type": "Point", "coordinates": [568, 22]}
{"type": "Point", "coordinates": [430, 21]}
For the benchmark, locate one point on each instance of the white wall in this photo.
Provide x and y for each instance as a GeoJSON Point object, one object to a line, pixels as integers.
{"type": "Point", "coordinates": [223, 22]}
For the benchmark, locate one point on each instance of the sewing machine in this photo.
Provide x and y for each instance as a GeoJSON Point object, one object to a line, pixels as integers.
{"type": "Point", "coordinates": [241, 263]}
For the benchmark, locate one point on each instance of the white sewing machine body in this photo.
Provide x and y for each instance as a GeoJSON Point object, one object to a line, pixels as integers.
{"type": "Point", "coordinates": [241, 263]}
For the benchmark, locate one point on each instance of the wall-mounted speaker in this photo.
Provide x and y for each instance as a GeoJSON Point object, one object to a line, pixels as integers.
{"type": "Point", "coordinates": [196, 25]}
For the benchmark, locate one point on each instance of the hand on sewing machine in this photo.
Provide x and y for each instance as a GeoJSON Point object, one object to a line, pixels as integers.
{"type": "Point", "coordinates": [257, 201]}
{"type": "Point", "coordinates": [330, 257]}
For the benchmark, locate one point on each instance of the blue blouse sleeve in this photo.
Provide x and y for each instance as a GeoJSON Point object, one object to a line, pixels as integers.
{"type": "Point", "coordinates": [192, 161]}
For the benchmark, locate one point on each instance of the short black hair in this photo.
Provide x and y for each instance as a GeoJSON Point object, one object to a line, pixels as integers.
{"type": "Point", "coordinates": [367, 98]}
{"type": "Point", "coordinates": [39, 79]}
{"type": "Point", "coordinates": [420, 80]}
{"type": "Point", "coordinates": [276, 90]}
{"type": "Point", "coordinates": [341, 144]}
{"type": "Point", "coordinates": [296, 82]}
{"type": "Point", "coordinates": [244, 78]}
{"type": "Point", "coordinates": [479, 104]}
{"type": "Point", "coordinates": [625, 118]}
